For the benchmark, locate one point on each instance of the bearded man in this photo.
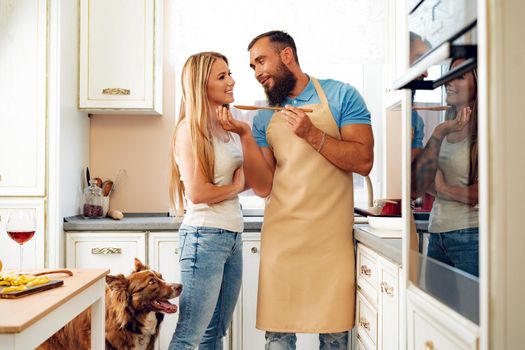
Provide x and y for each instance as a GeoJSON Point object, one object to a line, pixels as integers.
{"type": "Point", "coordinates": [303, 163]}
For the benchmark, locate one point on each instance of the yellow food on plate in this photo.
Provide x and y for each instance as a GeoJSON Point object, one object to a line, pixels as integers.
{"type": "Point", "coordinates": [23, 281]}
{"type": "Point", "coordinates": [13, 289]}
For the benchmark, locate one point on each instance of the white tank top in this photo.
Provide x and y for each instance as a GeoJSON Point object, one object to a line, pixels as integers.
{"type": "Point", "coordinates": [227, 214]}
{"type": "Point", "coordinates": [450, 215]}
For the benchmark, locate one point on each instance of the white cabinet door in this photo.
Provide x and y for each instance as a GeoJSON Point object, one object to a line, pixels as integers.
{"type": "Point", "coordinates": [23, 67]}
{"type": "Point", "coordinates": [250, 337]}
{"type": "Point", "coordinates": [121, 56]}
{"type": "Point", "coordinates": [33, 250]}
{"type": "Point", "coordinates": [388, 328]}
{"type": "Point", "coordinates": [164, 256]}
{"type": "Point", "coordinates": [396, 54]}
{"type": "Point", "coordinates": [432, 326]}
{"type": "Point", "coordinates": [114, 250]}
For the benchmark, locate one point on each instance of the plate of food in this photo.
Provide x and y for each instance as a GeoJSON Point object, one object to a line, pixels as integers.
{"type": "Point", "coordinates": [14, 286]}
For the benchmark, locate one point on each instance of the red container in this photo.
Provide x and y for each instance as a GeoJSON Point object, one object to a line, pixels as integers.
{"type": "Point", "coordinates": [392, 209]}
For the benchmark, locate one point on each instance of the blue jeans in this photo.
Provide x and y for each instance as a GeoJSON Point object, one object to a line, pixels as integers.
{"type": "Point", "coordinates": [286, 341]}
{"type": "Point", "coordinates": [456, 248]}
{"type": "Point", "coordinates": [211, 273]}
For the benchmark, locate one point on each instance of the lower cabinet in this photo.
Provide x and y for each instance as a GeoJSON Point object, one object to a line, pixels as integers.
{"type": "Point", "coordinates": [33, 250]}
{"type": "Point", "coordinates": [431, 326]}
{"type": "Point", "coordinates": [377, 301]}
{"type": "Point", "coordinates": [114, 250]}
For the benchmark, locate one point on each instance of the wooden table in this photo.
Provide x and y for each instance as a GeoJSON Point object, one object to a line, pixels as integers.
{"type": "Point", "coordinates": [27, 322]}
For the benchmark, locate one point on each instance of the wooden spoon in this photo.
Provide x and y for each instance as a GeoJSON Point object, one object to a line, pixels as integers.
{"type": "Point", "coordinates": [253, 108]}
{"type": "Point", "coordinates": [51, 272]}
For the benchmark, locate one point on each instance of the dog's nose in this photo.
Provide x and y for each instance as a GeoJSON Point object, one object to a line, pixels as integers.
{"type": "Point", "coordinates": [178, 288]}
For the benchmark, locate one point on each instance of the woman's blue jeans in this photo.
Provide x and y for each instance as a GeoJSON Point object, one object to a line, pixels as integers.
{"type": "Point", "coordinates": [458, 248]}
{"type": "Point", "coordinates": [211, 274]}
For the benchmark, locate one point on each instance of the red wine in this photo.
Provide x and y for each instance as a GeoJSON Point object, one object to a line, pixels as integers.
{"type": "Point", "coordinates": [21, 236]}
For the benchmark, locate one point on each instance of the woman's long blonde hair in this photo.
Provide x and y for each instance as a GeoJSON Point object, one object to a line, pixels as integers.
{"type": "Point", "coordinates": [195, 109]}
{"type": "Point", "coordinates": [451, 113]}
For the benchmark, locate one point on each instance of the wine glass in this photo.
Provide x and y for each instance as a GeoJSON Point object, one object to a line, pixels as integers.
{"type": "Point", "coordinates": [21, 227]}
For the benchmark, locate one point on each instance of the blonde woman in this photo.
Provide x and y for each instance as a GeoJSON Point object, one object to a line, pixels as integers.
{"type": "Point", "coordinates": [207, 173]}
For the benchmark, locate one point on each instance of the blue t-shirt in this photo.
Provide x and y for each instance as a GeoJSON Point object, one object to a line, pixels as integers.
{"type": "Point", "coordinates": [345, 102]}
{"type": "Point", "coordinates": [419, 130]}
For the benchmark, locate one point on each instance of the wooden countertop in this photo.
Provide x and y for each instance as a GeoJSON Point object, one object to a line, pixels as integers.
{"type": "Point", "coordinates": [19, 314]}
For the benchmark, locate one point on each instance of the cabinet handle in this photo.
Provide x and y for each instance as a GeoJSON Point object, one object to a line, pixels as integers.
{"type": "Point", "coordinates": [385, 288]}
{"type": "Point", "coordinates": [429, 345]}
{"type": "Point", "coordinates": [363, 322]}
{"type": "Point", "coordinates": [365, 270]}
{"type": "Point", "coordinates": [106, 251]}
{"type": "Point", "coordinates": [116, 91]}
{"type": "Point", "coordinates": [176, 251]}
{"type": "Point", "coordinates": [254, 250]}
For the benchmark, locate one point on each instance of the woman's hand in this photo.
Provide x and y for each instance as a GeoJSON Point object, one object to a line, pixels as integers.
{"type": "Point", "coordinates": [439, 182]}
{"type": "Point", "coordinates": [457, 124]}
{"type": "Point", "coordinates": [238, 179]}
{"type": "Point", "coordinates": [228, 123]}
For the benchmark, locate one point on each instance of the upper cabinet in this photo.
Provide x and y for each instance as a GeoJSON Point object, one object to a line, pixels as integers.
{"type": "Point", "coordinates": [23, 69]}
{"type": "Point", "coordinates": [121, 56]}
{"type": "Point", "coordinates": [396, 47]}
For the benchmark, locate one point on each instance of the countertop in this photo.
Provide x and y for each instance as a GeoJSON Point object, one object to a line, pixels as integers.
{"type": "Point", "coordinates": [390, 248]}
{"type": "Point", "coordinates": [142, 222]}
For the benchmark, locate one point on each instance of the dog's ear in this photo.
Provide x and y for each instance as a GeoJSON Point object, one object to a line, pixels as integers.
{"type": "Point", "coordinates": [118, 297]}
{"type": "Point", "coordinates": [139, 266]}
{"type": "Point", "coordinates": [117, 282]}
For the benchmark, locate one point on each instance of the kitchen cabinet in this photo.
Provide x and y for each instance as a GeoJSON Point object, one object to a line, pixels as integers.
{"type": "Point", "coordinates": [396, 48]}
{"type": "Point", "coordinates": [377, 302]}
{"type": "Point", "coordinates": [23, 68]}
{"type": "Point", "coordinates": [34, 248]}
{"type": "Point", "coordinates": [433, 327]}
{"type": "Point", "coordinates": [163, 252]}
{"type": "Point", "coordinates": [114, 250]}
{"type": "Point", "coordinates": [121, 56]}
{"type": "Point", "coordinates": [244, 334]}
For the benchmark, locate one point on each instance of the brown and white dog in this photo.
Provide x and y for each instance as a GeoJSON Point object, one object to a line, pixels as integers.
{"type": "Point", "coordinates": [135, 307]}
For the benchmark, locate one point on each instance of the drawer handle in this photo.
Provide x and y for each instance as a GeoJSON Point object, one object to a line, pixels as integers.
{"type": "Point", "coordinates": [106, 251]}
{"type": "Point", "coordinates": [363, 322]}
{"type": "Point", "coordinates": [365, 270]}
{"type": "Point", "coordinates": [116, 91]}
{"type": "Point", "coordinates": [254, 250]}
{"type": "Point", "coordinates": [429, 345]}
{"type": "Point", "coordinates": [176, 251]}
{"type": "Point", "coordinates": [385, 288]}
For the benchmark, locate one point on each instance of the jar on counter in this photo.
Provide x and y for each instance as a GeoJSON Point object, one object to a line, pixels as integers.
{"type": "Point", "coordinates": [92, 202]}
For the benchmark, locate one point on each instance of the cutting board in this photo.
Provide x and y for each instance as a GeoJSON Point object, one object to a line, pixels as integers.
{"type": "Point", "coordinates": [32, 290]}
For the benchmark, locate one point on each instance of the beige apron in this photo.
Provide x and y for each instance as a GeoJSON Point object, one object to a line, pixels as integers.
{"type": "Point", "coordinates": [306, 276]}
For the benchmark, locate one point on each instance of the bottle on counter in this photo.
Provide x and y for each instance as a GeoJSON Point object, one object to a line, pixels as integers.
{"type": "Point", "coordinates": [92, 202]}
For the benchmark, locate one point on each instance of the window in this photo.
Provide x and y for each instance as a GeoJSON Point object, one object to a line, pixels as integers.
{"type": "Point", "coordinates": [347, 44]}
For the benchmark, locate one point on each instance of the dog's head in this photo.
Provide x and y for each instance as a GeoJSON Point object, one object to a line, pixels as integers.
{"type": "Point", "coordinates": [142, 291]}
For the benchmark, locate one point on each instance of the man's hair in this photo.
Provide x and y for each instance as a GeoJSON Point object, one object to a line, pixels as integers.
{"type": "Point", "coordinates": [280, 39]}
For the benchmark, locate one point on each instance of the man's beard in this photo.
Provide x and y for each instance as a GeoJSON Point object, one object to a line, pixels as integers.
{"type": "Point", "coordinates": [284, 83]}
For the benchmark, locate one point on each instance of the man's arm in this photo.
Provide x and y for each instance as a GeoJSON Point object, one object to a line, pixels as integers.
{"type": "Point", "coordinates": [353, 153]}
{"type": "Point", "coordinates": [259, 163]}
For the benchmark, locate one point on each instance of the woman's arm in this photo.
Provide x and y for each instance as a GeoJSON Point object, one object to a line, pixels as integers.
{"type": "Point", "coordinates": [259, 163]}
{"type": "Point", "coordinates": [425, 165]}
{"type": "Point", "coordinates": [198, 188]}
{"type": "Point", "coordinates": [467, 194]}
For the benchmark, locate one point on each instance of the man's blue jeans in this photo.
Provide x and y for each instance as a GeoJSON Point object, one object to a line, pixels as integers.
{"type": "Point", "coordinates": [458, 248]}
{"type": "Point", "coordinates": [286, 341]}
{"type": "Point", "coordinates": [211, 274]}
